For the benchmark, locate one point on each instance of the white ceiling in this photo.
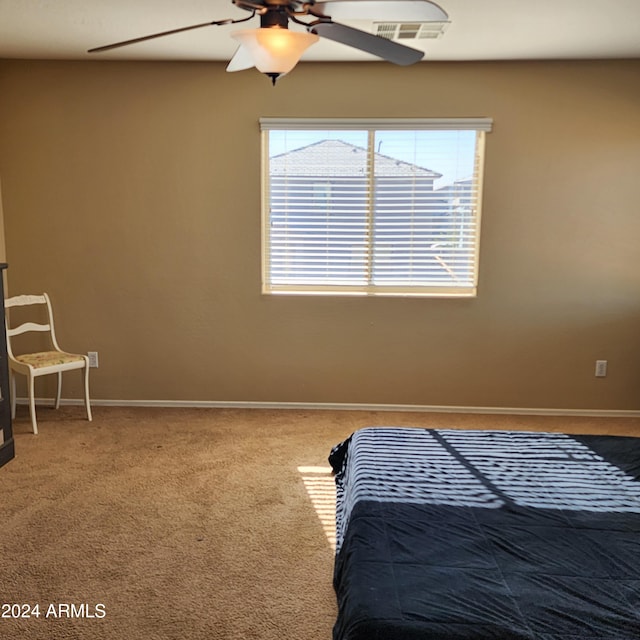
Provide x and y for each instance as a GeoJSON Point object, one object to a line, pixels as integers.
{"type": "Point", "coordinates": [479, 30]}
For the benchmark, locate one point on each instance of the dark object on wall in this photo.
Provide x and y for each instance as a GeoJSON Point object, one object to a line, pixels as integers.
{"type": "Point", "coordinates": [7, 448]}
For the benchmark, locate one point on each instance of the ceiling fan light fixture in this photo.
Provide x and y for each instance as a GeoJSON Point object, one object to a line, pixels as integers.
{"type": "Point", "coordinates": [274, 50]}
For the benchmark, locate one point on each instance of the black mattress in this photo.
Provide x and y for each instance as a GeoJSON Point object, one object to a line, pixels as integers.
{"type": "Point", "coordinates": [456, 535]}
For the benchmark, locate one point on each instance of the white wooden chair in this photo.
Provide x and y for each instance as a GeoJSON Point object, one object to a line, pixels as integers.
{"type": "Point", "coordinates": [41, 363]}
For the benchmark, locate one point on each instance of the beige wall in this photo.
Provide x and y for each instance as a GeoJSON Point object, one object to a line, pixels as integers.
{"type": "Point", "coordinates": [132, 195]}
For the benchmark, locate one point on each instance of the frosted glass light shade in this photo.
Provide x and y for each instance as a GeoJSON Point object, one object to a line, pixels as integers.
{"type": "Point", "coordinates": [275, 50]}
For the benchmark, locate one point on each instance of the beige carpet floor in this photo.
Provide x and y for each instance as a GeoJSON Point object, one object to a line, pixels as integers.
{"type": "Point", "coordinates": [186, 523]}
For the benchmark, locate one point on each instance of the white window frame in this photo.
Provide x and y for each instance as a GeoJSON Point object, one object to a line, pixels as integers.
{"type": "Point", "coordinates": [479, 125]}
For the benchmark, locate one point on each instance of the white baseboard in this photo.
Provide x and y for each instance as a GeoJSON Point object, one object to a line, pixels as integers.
{"type": "Point", "coordinates": [346, 406]}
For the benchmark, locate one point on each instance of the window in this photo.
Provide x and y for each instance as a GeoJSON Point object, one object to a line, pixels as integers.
{"type": "Point", "coordinates": [364, 207]}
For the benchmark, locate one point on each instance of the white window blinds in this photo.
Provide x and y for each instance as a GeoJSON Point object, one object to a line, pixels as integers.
{"type": "Point", "coordinates": [372, 207]}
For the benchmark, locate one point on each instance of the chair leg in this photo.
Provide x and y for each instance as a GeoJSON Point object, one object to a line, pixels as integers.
{"type": "Point", "coordinates": [87, 405]}
{"type": "Point", "coordinates": [12, 375]}
{"type": "Point", "coordinates": [32, 404]}
{"type": "Point", "coordinates": [59, 392]}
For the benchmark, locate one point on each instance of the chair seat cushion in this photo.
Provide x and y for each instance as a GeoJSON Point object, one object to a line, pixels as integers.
{"type": "Point", "coordinates": [47, 358]}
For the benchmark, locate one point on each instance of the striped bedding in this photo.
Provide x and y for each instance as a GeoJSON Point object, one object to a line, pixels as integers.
{"type": "Point", "coordinates": [467, 535]}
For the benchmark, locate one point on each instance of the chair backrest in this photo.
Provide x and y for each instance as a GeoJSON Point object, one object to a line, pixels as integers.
{"type": "Point", "coordinates": [26, 327]}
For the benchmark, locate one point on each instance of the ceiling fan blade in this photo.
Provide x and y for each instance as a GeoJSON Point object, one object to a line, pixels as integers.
{"type": "Point", "coordinates": [241, 60]}
{"type": "Point", "coordinates": [124, 43]}
{"type": "Point", "coordinates": [383, 10]}
{"type": "Point", "coordinates": [381, 47]}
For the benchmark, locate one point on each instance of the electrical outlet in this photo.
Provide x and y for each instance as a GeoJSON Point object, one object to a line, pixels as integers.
{"type": "Point", "coordinates": [93, 359]}
{"type": "Point", "coordinates": [601, 368]}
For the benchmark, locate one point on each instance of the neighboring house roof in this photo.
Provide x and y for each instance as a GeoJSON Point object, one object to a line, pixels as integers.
{"type": "Point", "coordinates": [329, 158]}
{"type": "Point", "coordinates": [459, 193]}
{"type": "Point", "coordinates": [464, 184]}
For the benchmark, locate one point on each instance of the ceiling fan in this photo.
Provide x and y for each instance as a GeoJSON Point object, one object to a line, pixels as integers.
{"type": "Point", "coordinates": [274, 49]}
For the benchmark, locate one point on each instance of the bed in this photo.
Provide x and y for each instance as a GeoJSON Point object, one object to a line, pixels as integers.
{"type": "Point", "coordinates": [496, 535]}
